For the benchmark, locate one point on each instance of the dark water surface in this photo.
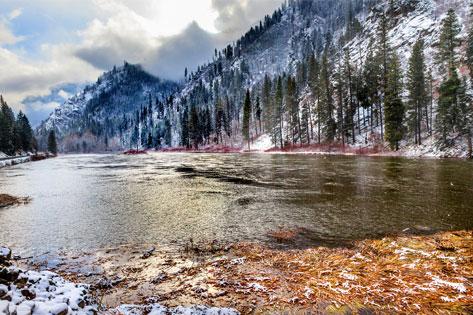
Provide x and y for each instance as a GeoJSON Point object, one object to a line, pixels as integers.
{"type": "Point", "coordinates": [91, 201]}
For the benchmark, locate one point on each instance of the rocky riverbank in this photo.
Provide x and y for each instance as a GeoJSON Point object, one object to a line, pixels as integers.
{"type": "Point", "coordinates": [402, 274]}
{"type": "Point", "coordinates": [47, 293]}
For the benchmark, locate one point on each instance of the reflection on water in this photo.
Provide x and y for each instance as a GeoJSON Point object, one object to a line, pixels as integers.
{"type": "Point", "coordinates": [91, 201]}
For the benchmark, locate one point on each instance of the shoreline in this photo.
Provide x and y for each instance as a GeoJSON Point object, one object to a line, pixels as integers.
{"type": "Point", "coordinates": [406, 274]}
{"type": "Point", "coordinates": [334, 151]}
{"type": "Point", "coordinates": [15, 160]}
{"type": "Point", "coordinates": [316, 153]}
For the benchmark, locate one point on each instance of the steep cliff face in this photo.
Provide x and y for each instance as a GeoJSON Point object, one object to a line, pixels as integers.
{"type": "Point", "coordinates": [208, 107]}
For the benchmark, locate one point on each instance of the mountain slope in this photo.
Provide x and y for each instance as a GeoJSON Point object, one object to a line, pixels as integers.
{"type": "Point", "coordinates": [208, 108]}
{"type": "Point", "coordinates": [98, 118]}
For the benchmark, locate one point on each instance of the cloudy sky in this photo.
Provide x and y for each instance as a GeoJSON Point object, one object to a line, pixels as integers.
{"type": "Point", "coordinates": [50, 48]}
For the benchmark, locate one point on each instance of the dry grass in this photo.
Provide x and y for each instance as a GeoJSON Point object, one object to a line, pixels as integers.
{"type": "Point", "coordinates": [7, 200]}
{"type": "Point", "coordinates": [285, 235]}
{"type": "Point", "coordinates": [395, 275]}
{"type": "Point", "coordinates": [410, 275]}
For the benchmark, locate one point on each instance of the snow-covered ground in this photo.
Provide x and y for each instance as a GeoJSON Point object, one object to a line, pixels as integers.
{"type": "Point", "coordinates": [157, 309]}
{"type": "Point", "coordinates": [39, 293]}
{"type": "Point", "coordinates": [262, 143]}
{"type": "Point", "coordinates": [47, 293]}
{"type": "Point", "coordinates": [9, 161]}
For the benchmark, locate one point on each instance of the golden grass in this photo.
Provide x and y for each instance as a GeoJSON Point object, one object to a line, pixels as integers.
{"type": "Point", "coordinates": [410, 275]}
{"type": "Point", "coordinates": [395, 275]}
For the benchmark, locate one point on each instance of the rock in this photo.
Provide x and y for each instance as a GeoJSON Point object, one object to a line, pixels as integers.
{"type": "Point", "coordinates": [21, 283]}
{"type": "Point", "coordinates": [148, 253]}
{"type": "Point", "coordinates": [116, 281]}
{"type": "Point", "coordinates": [3, 290]}
{"type": "Point", "coordinates": [28, 294]}
{"type": "Point", "coordinates": [199, 290]}
{"type": "Point", "coordinates": [159, 278]}
{"type": "Point", "coordinates": [81, 304]}
{"type": "Point", "coordinates": [8, 275]}
{"type": "Point", "coordinates": [103, 283]}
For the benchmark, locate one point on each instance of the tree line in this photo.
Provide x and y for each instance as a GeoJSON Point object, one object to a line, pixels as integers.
{"type": "Point", "coordinates": [16, 134]}
{"type": "Point", "coordinates": [330, 99]}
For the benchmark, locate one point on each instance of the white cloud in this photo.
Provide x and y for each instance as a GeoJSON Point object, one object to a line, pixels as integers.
{"type": "Point", "coordinates": [40, 106]}
{"type": "Point", "coordinates": [165, 36]}
{"type": "Point", "coordinates": [235, 17]}
{"type": "Point", "coordinates": [64, 94]}
{"type": "Point", "coordinates": [14, 14]}
{"type": "Point", "coordinates": [6, 35]}
{"type": "Point", "coordinates": [27, 78]}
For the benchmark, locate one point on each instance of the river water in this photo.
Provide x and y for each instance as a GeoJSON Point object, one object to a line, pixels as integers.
{"type": "Point", "coordinates": [85, 202]}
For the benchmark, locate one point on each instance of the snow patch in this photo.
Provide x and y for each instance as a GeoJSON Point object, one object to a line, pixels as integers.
{"type": "Point", "coordinates": [157, 309]}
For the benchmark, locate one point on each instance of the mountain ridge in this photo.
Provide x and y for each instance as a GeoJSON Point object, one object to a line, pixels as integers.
{"type": "Point", "coordinates": [208, 107]}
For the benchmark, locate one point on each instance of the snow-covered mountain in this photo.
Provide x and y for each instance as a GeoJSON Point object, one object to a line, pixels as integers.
{"type": "Point", "coordinates": [98, 118]}
{"type": "Point", "coordinates": [208, 108]}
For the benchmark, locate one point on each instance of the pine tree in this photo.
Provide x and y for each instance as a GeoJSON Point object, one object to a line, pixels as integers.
{"type": "Point", "coordinates": [279, 113]}
{"type": "Point", "coordinates": [293, 107]}
{"type": "Point", "coordinates": [326, 100]}
{"type": "Point", "coordinates": [341, 108]}
{"type": "Point", "coordinates": [246, 118]}
{"type": "Point", "coordinates": [383, 56]}
{"type": "Point", "coordinates": [185, 129]}
{"type": "Point", "coordinates": [449, 42]}
{"type": "Point", "coordinates": [466, 105]}
{"type": "Point", "coordinates": [167, 132]}
{"type": "Point", "coordinates": [370, 95]}
{"type": "Point", "coordinates": [227, 118]}
{"type": "Point", "coordinates": [447, 107]}
{"type": "Point", "coordinates": [268, 108]}
{"type": "Point", "coordinates": [465, 117]}
{"type": "Point", "coordinates": [394, 107]}
{"type": "Point", "coordinates": [24, 133]}
{"type": "Point", "coordinates": [430, 89]}
{"type": "Point", "coordinates": [135, 136]}
{"type": "Point", "coordinates": [149, 142]}
{"type": "Point", "coordinates": [418, 97]}
{"type": "Point", "coordinates": [469, 46]}
{"type": "Point", "coordinates": [52, 144]}
{"type": "Point", "coordinates": [305, 122]}
{"type": "Point", "coordinates": [219, 120]}
{"type": "Point", "coordinates": [351, 108]}
{"type": "Point", "coordinates": [313, 78]}
{"type": "Point", "coordinates": [7, 124]}
{"type": "Point", "coordinates": [258, 113]}
{"type": "Point", "coordinates": [194, 128]}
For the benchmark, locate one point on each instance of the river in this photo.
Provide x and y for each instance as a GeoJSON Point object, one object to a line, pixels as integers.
{"type": "Point", "coordinates": [85, 202]}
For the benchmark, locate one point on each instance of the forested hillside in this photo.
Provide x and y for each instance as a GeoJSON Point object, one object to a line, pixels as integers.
{"type": "Point", "coordinates": [380, 74]}
{"type": "Point", "coordinates": [126, 107]}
